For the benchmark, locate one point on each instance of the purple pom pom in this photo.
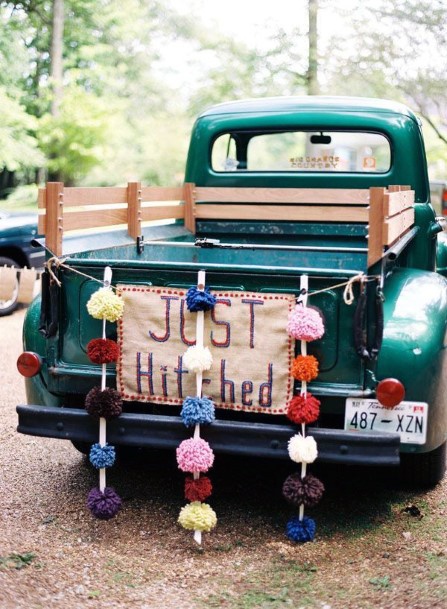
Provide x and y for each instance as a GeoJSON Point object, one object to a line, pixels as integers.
{"type": "Point", "coordinates": [307, 491]}
{"type": "Point", "coordinates": [103, 505]}
{"type": "Point", "coordinates": [301, 530]}
{"type": "Point", "coordinates": [199, 300]}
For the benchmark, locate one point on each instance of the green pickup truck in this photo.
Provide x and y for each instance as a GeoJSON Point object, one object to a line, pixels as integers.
{"type": "Point", "coordinates": [280, 193]}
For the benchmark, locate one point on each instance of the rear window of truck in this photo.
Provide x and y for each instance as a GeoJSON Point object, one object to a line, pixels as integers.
{"type": "Point", "coordinates": [301, 151]}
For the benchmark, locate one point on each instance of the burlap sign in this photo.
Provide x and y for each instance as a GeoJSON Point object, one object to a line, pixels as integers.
{"type": "Point", "coordinates": [245, 332]}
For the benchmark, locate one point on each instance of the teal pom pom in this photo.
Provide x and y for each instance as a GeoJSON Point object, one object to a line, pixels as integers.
{"type": "Point", "coordinates": [102, 456]}
{"type": "Point", "coordinates": [301, 530]}
{"type": "Point", "coordinates": [197, 411]}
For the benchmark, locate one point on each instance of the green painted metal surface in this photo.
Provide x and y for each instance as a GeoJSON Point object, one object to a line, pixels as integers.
{"type": "Point", "coordinates": [414, 345]}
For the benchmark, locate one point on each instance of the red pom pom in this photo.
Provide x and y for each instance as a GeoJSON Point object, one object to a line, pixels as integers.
{"type": "Point", "coordinates": [103, 351]}
{"type": "Point", "coordinates": [303, 409]}
{"type": "Point", "coordinates": [197, 490]}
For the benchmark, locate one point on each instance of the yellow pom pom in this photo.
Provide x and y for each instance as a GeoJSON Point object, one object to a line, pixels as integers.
{"type": "Point", "coordinates": [105, 304]}
{"type": "Point", "coordinates": [197, 516]}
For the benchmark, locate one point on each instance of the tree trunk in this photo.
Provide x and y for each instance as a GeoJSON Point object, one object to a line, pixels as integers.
{"type": "Point", "coordinates": [57, 70]}
{"type": "Point", "coordinates": [312, 71]}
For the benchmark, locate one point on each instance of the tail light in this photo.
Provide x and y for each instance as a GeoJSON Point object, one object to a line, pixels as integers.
{"type": "Point", "coordinates": [390, 392]}
{"type": "Point", "coordinates": [444, 201]}
{"type": "Point", "coordinates": [29, 364]}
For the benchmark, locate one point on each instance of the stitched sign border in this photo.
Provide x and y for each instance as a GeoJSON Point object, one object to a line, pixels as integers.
{"type": "Point", "coordinates": [245, 333]}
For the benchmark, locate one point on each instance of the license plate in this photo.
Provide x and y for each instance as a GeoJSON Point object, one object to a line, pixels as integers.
{"type": "Point", "coordinates": [408, 419]}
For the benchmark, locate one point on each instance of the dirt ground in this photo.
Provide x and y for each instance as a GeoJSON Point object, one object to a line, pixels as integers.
{"type": "Point", "coordinates": [376, 546]}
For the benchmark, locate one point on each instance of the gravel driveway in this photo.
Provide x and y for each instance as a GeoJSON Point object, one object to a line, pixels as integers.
{"type": "Point", "coordinates": [375, 547]}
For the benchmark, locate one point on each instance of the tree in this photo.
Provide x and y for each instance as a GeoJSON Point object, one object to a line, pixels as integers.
{"type": "Point", "coordinates": [400, 51]}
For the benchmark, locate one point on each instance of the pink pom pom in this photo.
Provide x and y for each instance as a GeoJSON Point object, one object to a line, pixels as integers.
{"type": "Point", "coordinates": [305, 323]}
{"type": "Point", "coordinates": [194, 455]}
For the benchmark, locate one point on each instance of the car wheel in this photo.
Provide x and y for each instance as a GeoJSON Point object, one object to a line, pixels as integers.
{"type": "Point", "coordinates": [8, 306]}
{"type": "Point", "coordinates": [423, 470]}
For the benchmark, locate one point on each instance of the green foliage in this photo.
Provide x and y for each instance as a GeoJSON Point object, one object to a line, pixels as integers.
{"type": "Point", "coordinates": [18, 147]}
{"type": "Point", "coordinates": [22, 198]}
{"type": "Point", "coordinates": [73, 141]}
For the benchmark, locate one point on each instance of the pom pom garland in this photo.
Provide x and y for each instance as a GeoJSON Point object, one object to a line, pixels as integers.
{"type": "Point", "coordinates": [303, 409]}
{"type": "Point", "coordinates": [103, 505]}
{"type": "Point", "coordinates": [102, 456]}
{"type": "Point", "coordinates": [301, 530]}
{"type": "Point", "coordinates": [305, 368]}
{"type": "Point", "coordinates": [198, 490]}
{"type": "Point", "coordinates": [105, 304]}
{"type": "Point", "coordinates": [307, 491]}
{"type": "Point", "coordinates": [194, 455]}
{"type": "Point", "coordinates": [305, 323]}
{"type": "Point", "coordinates": [198, 359]}
{"type": "Point", "coordinates": [102, 351]}
{"type": "Point", "coordinates": [106, 403]}
{"type": "Point", "coordinates": [199, 300]}
{"type": "Point", "coordinates": [302, 449]}
{"type": "Point", "coordinates": [197, 411]}
{"type": "Point", "coordinates": [197, 516]}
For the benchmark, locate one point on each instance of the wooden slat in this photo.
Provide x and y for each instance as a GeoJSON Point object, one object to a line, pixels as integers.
{"type": "Point", "coordinates": [161, 193]}
{"type": "Point", "coordinates": [281, 212]}
{"type": "Point", "coordinates": [398, 187]}
{"type": "Point", "coordinates": [41, 198]}
{"type": "Point", "coordinates": [190, 205]}
{"type": "Point", "coordinates": [375, 228]}
{"type": "Point", "coordinates": [93, 219]}
{"type": "Point", "coordinates": [41, 224]}
{"type": "Point", "coordinates": [54, 224]}
{"type": "Point", "coordinates": [395, 202]}
{"type": "Point", "coordinates": [76, 197]}
{"type": "Point", "coordinates": [162, 212]}
{"type": "Point", "coordinates": [394, 227]}
{"type": "Point", "coordinates": [134, 209]}
{"type": "Point", "coordinates": [41, 205]}
{"type": "Point", "coordinates": [312, 196]}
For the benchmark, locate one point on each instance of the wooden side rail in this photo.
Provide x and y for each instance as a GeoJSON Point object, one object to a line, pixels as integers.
{"type": "Point", "coordinates": [388, 213]}
{"type": "Point", "coordinates": [275, 204]}
{"type": "Point", "coordinates": [391, 215]}
{"type": "Point", "coordinates": [63, 209]}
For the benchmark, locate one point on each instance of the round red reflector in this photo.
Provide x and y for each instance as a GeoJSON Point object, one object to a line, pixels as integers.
{"type": "Point", "coordinates": [28, 364]}
{"type": "Point", "coordinates": [390, 392]}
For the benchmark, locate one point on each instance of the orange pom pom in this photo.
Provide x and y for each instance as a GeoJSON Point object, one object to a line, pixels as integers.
{"type": "Point", "coordinates": [305, 368]}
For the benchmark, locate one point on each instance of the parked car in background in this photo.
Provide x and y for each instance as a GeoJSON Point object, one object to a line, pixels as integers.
{"type": "Point", "coordinates": [17, 230]}
{"type": "Point", "coordinates": [438, 196]}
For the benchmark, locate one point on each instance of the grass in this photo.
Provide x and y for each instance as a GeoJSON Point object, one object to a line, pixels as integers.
{"type": "Point", "coordinates": [17, 561]}
{"type": "Point", "coordinates": [283, 583]}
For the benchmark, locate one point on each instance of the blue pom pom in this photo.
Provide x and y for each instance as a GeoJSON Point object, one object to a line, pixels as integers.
{"type": "Point", "coordinates": [199, 300]}
{"type": "Point", "coordinates": [102, 456]}
{"type": "Point", "coordinates": [197, 411]}
{"type": "Point", "coordinates": [301, 530]}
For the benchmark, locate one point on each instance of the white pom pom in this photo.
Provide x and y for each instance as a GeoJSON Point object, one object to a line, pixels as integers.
{"type": "Point", "coordinates": [198, 359]}
{"type": "Point", "coordinates": [302, 450]}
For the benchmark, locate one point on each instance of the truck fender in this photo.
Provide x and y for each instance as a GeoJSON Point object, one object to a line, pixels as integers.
{"type": "Point", "coordinates": [414, 348]}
